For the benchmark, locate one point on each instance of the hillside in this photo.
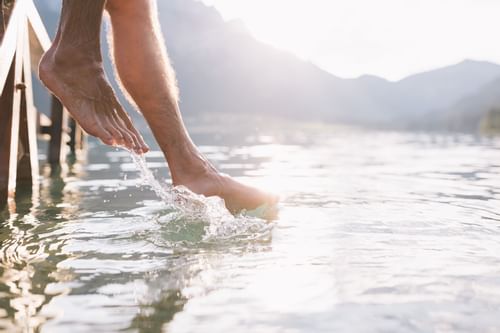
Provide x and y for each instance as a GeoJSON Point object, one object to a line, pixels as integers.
{"type": "Point", "coordinates": [222, 68]}
{"type": "Point", "coordinates": [468, 113]}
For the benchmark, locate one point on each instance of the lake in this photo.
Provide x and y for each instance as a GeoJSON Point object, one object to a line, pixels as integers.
{"type": "Point", "coordinates": [378, 231]}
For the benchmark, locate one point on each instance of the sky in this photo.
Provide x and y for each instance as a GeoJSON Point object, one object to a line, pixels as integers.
{"type": "Point", "coordinates": [387, 38]}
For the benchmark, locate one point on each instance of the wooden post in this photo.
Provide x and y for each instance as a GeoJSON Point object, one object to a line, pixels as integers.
{"type": "Point", "coordinates": [23, 40]}
{"type": "Point", "coordinates": [57, 128]}
{"type": "Point", "coordinates": [28, 170]}
{"type": "Point", "coordinates": [18, 146]}
{"type": "Point", "coordinates": [5, 135]}
{"type": "Point", "coordinates": [77, 137]}
{"type": "Point", "coordinates": [6, 94]}
{"type": "Point", "coordinates": [10, 72]}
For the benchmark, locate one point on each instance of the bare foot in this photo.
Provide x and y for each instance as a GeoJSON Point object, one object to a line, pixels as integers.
{"type": "Point", "coordinates": [237, 196]}
{"type": "Point", "coordinates": [81, 85]}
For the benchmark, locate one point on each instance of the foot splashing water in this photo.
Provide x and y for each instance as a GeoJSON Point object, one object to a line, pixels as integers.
{"type": "Point", "coordinates": [191, 208]}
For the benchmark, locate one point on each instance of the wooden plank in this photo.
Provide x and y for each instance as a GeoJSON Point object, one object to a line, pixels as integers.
{"type": "Point", "coordinates": [5, 121]}
{"type": "Point", "coordinates": [16, 105]}
{"type": "Point", "coordinates": [31, 109]}
{"type": "Point", "coordinates": [39, 38]}
{"type": "Point", "coordinates": [28, 170]}
{"type": "Point", "coordinates": [10, 101]}
{"type": "Point", "coordinates": [37, 25]}
{"type": "Point", "coordinates": [9, 41]}
{"type": "Point", "coordinates": [4, 125]}
{"type": "Point", "coordinates": [24, 168]}
{"type": "Point", "coordinates": [5, 135]}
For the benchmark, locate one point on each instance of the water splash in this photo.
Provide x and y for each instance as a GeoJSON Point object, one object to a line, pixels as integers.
{"type": "Point", "coordinates": [192, 208]}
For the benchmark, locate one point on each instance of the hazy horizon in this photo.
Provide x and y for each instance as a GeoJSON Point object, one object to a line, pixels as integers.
{"type": "Point", "coordinates": [348, 42]}
{"type": "Point", "coordinates": [231, 60]}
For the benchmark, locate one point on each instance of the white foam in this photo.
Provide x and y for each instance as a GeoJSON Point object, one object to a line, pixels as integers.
{"type": "Point", "coordinates": [192, 207]}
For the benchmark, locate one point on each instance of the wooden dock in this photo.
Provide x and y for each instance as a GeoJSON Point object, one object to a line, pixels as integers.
{"type": "Point", "coordinates": [23, 40]}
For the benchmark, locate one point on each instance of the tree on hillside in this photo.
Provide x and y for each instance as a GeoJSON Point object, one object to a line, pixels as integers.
{"type": "Point", "coordinates": [490, 123]}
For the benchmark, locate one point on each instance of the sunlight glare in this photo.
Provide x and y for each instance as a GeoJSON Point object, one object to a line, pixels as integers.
{"type": "Point", "coordinates": [388, 38]}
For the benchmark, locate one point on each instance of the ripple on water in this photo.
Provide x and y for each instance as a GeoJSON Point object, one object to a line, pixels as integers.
{"type": "Point", "coordinates": [189, 218]}
{"type": "Point", "coordinates": [377, 232]}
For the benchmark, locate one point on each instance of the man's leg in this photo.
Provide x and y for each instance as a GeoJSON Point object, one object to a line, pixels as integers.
{"type": "Point", "coordinates": [72, 69]}
{"type": "Point", "coordinates": [145, 72]}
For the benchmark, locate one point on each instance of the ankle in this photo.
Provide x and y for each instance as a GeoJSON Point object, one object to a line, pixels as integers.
{"type": "Point", "coordinates": [191, 168]}
{"type": "Point", "coordinates": [65, 56]}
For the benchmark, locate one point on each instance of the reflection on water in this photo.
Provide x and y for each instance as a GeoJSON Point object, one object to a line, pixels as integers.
{"type": "Point", "coordinates": [377, 232]}
{"type": "Point", "coordinates": [28, 263]}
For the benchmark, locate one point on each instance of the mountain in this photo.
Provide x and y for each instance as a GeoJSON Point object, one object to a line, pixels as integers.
{"type": "Point", "coordinates": [247, 76]}
{"type": "Point", "coordinates": [221, 68]}
{"type": "Point", "coordinates": [417, 100]}
{"type": "Point", "coordinates": [439, 88]}
{"type": "Point", "coordinates": [470, 112]}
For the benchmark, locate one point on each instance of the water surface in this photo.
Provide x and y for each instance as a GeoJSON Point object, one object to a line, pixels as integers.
{"type": "Point", "coordinates": [377, 232]}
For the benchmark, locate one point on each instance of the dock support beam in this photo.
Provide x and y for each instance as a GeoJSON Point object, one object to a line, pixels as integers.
{"type": "Point", "coordinates": [23, 39]}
